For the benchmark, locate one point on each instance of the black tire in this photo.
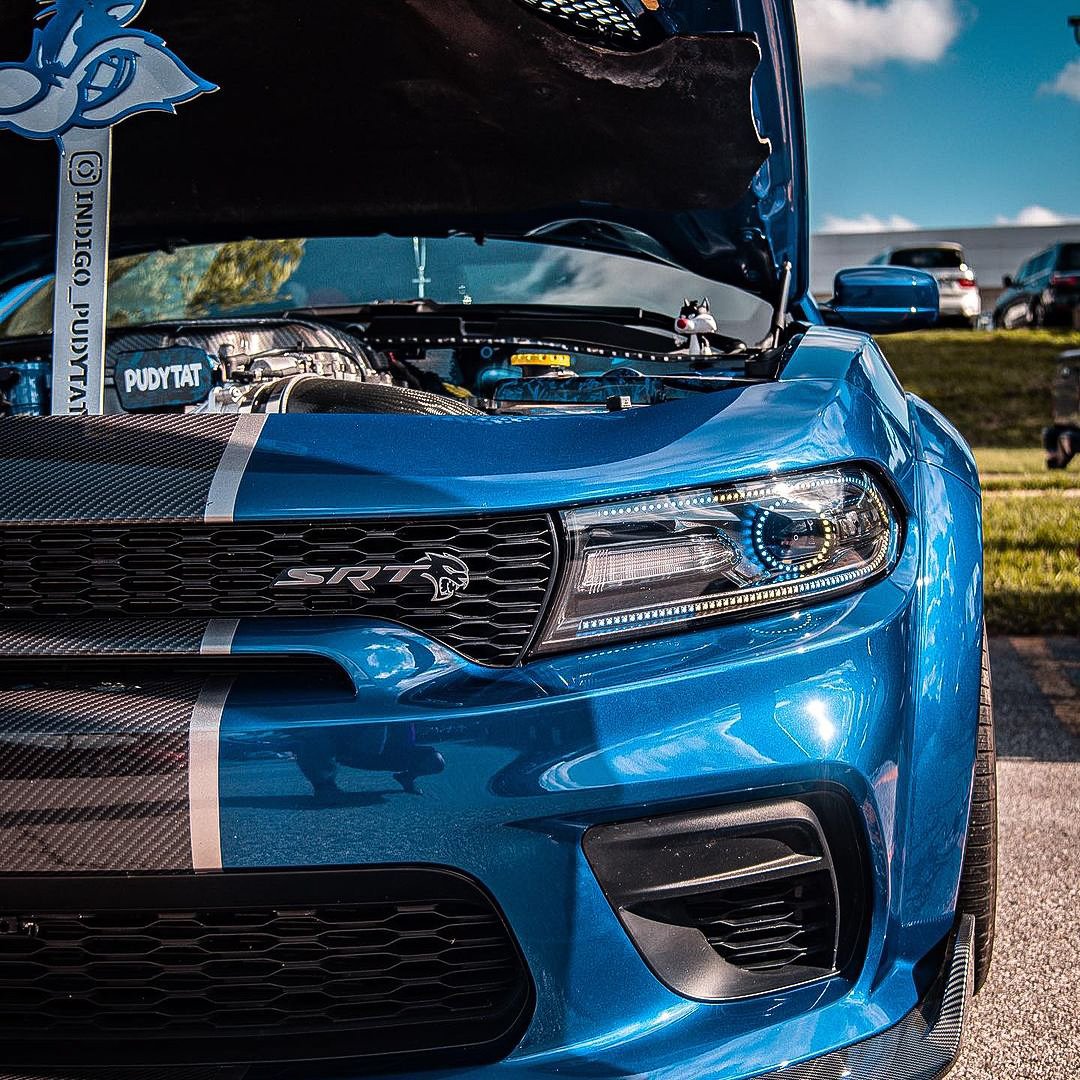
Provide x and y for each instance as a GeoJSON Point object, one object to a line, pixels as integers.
{"type": "Point", "coordinates": [979, 877]}
{"type": "Point", "coordinates": [1038, 316]}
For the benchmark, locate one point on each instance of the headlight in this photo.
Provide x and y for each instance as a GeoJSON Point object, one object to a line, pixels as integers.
{"type": "Point", "coordinates": [672, 561]}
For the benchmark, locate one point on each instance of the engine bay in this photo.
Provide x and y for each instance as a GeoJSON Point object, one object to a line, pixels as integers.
{"type": "Point", "coordinates": [397, 360]}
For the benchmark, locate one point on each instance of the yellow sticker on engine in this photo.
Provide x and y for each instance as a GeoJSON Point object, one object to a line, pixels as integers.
{"type": "Point", "coordinates": [541, 359]}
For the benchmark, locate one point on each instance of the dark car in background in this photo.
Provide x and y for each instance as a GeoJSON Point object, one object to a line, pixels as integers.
{"type": "Point", "coordinates": [1044, 292]}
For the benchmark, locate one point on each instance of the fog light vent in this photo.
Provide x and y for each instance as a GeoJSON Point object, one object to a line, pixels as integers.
{"type": "Point", "coordinates": [729, 903]}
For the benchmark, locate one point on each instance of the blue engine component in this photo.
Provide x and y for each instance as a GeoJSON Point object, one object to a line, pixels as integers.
{"type": "Point", "coordinates": [584, 390]}
{"type": "Point", "coordinates": [26, 387]}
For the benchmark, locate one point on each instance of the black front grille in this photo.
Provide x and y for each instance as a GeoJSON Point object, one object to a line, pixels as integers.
{"type": "Point", "coordinates": [229, 571]}
{"type": "Point", "coordinates": [256, 967]}
{"type": "Point", "coordinates": [771, 925]}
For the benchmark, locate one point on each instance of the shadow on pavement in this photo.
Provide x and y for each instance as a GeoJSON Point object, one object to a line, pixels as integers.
{"type": "Point", "coordinates": [1036, 704]}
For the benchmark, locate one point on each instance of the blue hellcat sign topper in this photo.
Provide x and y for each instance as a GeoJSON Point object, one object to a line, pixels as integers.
{"type": "Point", "coordinates": [87, 70]}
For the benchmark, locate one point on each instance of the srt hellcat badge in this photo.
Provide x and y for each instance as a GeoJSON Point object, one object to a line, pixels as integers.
{"type": "Point", "coordinates": [87, 70]}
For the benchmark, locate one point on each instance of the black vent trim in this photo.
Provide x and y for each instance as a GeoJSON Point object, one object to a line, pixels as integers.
{"type": "Point", "coordinates": [256, 967]}
{"type": "Point", "coordinates": [604, 21]}
{"type": "Point", "coordinates": [733, 902]}
{"type": "Point", "coordinates": [192, 571]}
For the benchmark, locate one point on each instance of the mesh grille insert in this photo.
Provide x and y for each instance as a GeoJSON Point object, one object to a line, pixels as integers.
{"type": "Point", "coordinates": [411, 958]}
{"type": "Point", "coordinates": [230, 571]}
{"type": "Point", "coordinates": [772, 925]}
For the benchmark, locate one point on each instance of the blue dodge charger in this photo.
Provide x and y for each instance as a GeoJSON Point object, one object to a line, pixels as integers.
{"type": "Point", "coordinates": [499, 626]}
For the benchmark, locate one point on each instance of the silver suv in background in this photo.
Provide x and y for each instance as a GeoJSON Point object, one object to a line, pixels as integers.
{"type": "Point", "coordinates": [960, 298]}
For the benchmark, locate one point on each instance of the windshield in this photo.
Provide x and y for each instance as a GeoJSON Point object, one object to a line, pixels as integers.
{"type": "Point", "coordinates": [929, 258]}
{"type": "Point", "coordinates": [253, 277]}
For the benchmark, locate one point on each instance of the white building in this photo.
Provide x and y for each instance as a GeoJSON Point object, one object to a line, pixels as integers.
{"type": "Point", "coordinates": [992, 251]}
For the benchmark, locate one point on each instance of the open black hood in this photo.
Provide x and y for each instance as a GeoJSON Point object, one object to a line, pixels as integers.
{"type": "Point", "coordinates": [348, 116]}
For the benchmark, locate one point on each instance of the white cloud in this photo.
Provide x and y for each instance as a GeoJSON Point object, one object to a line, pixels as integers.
{"type": "Point", "coordinates": [867, 223]}
{"type": "Point", "coordinates": [839, 38]}
{"type": "Point", "coordinates": [1067, 82]}
{"type": "Point", "coordinates": [1035, 215]}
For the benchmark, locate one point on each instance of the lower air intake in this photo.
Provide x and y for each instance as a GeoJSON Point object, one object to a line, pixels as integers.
{"type": "Point", "coordinates": [384, 962]}
{"type": "Point", "coordinates": [733, 902]}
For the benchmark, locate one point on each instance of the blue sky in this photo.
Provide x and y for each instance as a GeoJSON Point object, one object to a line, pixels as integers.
{"type": "Point", "coordinates": [941, 112]}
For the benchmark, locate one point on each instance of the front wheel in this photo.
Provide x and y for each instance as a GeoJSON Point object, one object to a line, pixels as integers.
{"type": "Point", "coordinates": [979, 877]}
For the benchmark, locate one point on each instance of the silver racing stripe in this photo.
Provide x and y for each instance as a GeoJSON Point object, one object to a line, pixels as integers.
{"type": "Point", "coordinates": [221, 499]}
{"type": "Point", "coordinates": [218, 637]}
{"type": "Point", "coordinates": [203, 795]}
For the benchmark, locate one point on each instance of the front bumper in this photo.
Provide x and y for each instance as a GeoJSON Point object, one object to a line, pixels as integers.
{"type": "Point", "coordinates": [429, 759]}
{"type": "Point", "coordinates": [790, 705]}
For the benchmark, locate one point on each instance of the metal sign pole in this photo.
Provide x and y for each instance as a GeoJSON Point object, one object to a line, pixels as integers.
{"type": "Point", "coordinates": [82, 269]}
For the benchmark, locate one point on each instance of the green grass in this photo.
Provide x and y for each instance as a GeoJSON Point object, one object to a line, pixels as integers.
{"type": "Point", "coordinates": [1022, 470]}
{"type": "Point", "coordinates": [1032, 564]}
{"type": "Point", "coordinates": [994, 387]}
{"type": "Point", "coordinates": [996, 461]}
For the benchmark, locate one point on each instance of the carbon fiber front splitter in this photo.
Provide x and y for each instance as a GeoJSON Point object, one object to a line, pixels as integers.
{"type": "Point", "coordinates": [923, 1046]}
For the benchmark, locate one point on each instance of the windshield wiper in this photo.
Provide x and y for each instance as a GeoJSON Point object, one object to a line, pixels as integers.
{"type": "Point", "coordinates": [631, 330]}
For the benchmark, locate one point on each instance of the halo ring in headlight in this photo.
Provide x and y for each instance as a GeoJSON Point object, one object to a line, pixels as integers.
{"type": "Point", "coordinates": [668, 562]}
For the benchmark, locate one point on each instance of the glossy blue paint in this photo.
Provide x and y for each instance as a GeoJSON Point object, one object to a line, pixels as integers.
{"type": "Point", "coordinates": [498, 772]}
{"type": "Point", "coordinates": [324, 466]}
{"type": "Point", "coordinates": [873, 695]}
{"type": "Point", "coordinates": [532, 756]}
{"type": "Point", "coordinates": [883, 299]}
{"type": "Point", "coordinates": [939, 443]}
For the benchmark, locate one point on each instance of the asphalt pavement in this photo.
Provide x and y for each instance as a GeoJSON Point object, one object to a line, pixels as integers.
{"type": "Point", "coordinates": [1026, 1022]}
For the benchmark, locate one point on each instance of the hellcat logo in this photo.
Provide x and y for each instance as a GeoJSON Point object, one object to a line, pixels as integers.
{"type": "Point", "coordinates": [447, 574]}
{"type": "Point", "coordinates": [88, 69]}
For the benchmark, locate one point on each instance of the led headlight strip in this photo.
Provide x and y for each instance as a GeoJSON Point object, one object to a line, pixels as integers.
{"type": "Point", "coordinates": [666, 562]}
